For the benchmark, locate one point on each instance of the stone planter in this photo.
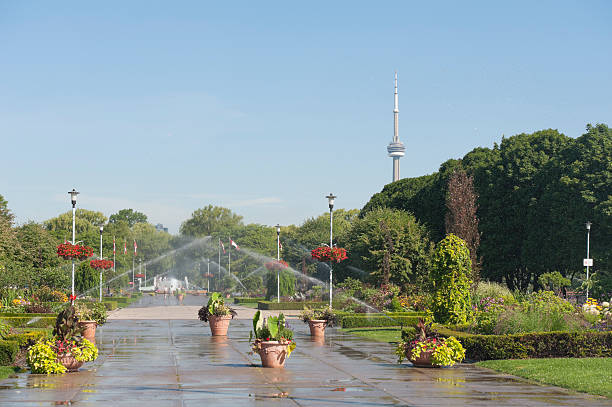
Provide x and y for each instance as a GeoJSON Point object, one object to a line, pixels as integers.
{"type": "Point", "coordinates": [89, 330]}
{"type": "Point", "coordinates": [273, 354]}
{"type": "Point", "coordinates": [317, 327]}
{"type": "Point", "coordinates": [424, 360]}
{"type": "Point", "coordinates": [71, 364]}
{"type": "Point", "coordinates": [219, 325]}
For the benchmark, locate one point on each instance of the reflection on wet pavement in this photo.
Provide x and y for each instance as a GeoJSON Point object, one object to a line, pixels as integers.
{"type": "Point", "coordinates": [176, 362]}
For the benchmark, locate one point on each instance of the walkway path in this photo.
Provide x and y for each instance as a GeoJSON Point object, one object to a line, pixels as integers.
{"type": "Point", "coordinates": [154, 360]}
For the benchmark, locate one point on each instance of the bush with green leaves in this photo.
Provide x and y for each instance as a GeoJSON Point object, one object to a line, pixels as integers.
{"type": "Point", "coordinates": [491, 289]}
{"type": "Point", "coordinates": [320, 314]}
{"type": "Point", "coordinates": [43, 356]}
{"type": "Point", "coordinates": [287, 284]}
{"type": "Point", "coordinates": [450, 278]}
{"type": "Point", "coordinates": [91, 311]}
{"type": "Point", "coordinates": [444, 351]}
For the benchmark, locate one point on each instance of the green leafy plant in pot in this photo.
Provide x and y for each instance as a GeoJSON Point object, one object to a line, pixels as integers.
{"type": "Point", "coordinates": [273, 340]}
{"type": "Point", "coordinates": [318, 319]}
{"type": "Point", "coordinates": [217, 314]}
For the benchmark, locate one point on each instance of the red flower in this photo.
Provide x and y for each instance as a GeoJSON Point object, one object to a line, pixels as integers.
{"type": "Point", "coordinates": [325, 253]}
{"type": "Point", "coordinates": [72, 297]}
{"type": "Point", "coordinates": [101, 264]}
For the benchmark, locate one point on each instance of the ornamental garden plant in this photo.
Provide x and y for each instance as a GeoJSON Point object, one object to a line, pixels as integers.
{"type": "Point", "coordinates": [326, 253]}
{"type": "Point", "coordinates": [66, 351]}
{"type": "Point", "coordinates": [217, 314]}
{"type": "Point", "coordinates": [272, 339]}
{"type": "Point", "coordinates": [71, 251]}
{"type": "Point", "coordinates": [318, 319]}
{"type": "Point", "coordinates": [426, 348]}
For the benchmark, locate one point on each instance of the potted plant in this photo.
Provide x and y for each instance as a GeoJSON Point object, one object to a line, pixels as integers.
{"type": "Point", "coordinates": [273, 340]}
{"type": "Point", "coordinates": [66, 352]}
{"type": "Point", "coordinates": [318, 319]}
{"type": "Point", "coordinates": [427, 349]}
{"type": "Point", "coordinates": [71, 251]}
{"type": "Point", "coordinates": [217, 314]}
{"type": "Point", "coordinates": [90, 315]}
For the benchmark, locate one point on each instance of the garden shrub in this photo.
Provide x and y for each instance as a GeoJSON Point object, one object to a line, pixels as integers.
{"type": "Point", "coordinates": [247, 300]}
{"type": "Point", "coordinates": [27, 338]}
{"type": "Point", "coordinates": [110, 305]}
{"type": "Point", "coordinates": [533, 345]}
{"type": "Point", "coordinates": [287, 284]}
{"type": "Point", "coordinates": [451, 268]}
{"type": "Point", "coordinates": [34, 322]}
{"type": "Point", "coordinates": [8, 352]}
{"type": "Point", "coordinates": [378, 321]}
{"type": "Point", "coordinates": [491, 289]}
{"type": "Point", "coordinates": [296, 305]}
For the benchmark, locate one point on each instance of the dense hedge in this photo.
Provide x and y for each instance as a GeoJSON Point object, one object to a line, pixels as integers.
{"type": "Point", "coordinates": [110, 305]}
{"type": "Point", "coordinates": [361, 321]}
{"type": "Point", "coordinates": [534, 345]}
{"type": "Point", "coordinates": [297, 305]}
{"type": "Point", "coordinates": [25, 315]}
{"type": "Point", "coordinates": [37, 322]}
{"type": "Point", "coordinates": [8, 352]}
{"type": "Point", "coordinates": [29, 337]}
{"type": "Point", "coordinates": [244, 300]}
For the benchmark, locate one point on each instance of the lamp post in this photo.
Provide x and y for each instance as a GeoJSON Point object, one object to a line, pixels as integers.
{"type": "Point", "coordinates": [330, 199]}
{"type": "Point", "coordinates": [73, 198]}
{"type": "Point", "coordinates": [101, 230]}
{"type": "Point", "coordinates": [588, 260]}
{"type": "Point", "coordinates": [207, 276]}
{"type": "Point", "coordinates": [278, 260]}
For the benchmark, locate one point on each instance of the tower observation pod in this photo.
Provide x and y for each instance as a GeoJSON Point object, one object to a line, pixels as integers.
{"type": "Point", "coordinates": [396, 148]}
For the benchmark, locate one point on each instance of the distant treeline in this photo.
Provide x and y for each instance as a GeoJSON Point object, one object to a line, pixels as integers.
{"type": "Point", "coordinates": [536, 192]}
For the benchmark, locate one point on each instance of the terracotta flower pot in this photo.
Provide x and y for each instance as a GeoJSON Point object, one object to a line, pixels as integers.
{"type": "Point", "coordinates": [219, 325]}
{"type": "Point", "coordinates": [273, 354]}
{"type": "Point", "coordinates": [71, 364]}
{"type": "Point", "coordinates": [89, 330]}
{"type": "Point", "coordinates": [317, 327]}
{"type": "Point", "coordinates": [424, 360]}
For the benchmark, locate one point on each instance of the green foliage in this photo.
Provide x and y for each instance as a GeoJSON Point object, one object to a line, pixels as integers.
{"type": "Point", "coordinates": [320, 314]}
{"type": "Point", "coordinates": [491, 289]}
{"type": "Point", "coordinates": [85, 278]}
{"type": "Point", "coordinates": [129, 216]}
{"type": "Point", "coordinates": [29, 337]}
{"type": "Point", "coordinates": [67, 325]}
{"type": "Point", "coordinates": [42, 359]}
{"type": "Point", "coordinates": [389, 245]}
{"type": "Point", "coordinates": [30, 322]}
{"type": "Point", "coordinates": [247, 300]}
{"type": "Point", "coordinates": [210, 220]}
{"type": "Point", "coordinates": [85, 352]}
{"type": "Point", "coordinates": [5, 329]}
{"type": "Point", "coordinates": [554, 281]}
{"type": "Point", "coordinates": [8, 352]}
{"type": "Point", "coordinates": [451, 268]}
{"type": "Point", "coordinates": [90, 311]}
{"type": "Point", "coordinates": [534, 345]}
{"type": "Point", "coordinates": [358, 321]}
{"type": "Point", "coordinates": [287, 284]}
{"type": "Point", "coordinates": [273, 305]}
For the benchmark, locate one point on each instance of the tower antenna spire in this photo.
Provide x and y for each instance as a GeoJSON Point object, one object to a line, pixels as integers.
{"type": "Point", "coordinates": [396, 148]}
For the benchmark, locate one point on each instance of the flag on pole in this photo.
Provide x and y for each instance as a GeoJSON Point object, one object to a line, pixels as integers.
{"type": "Point", "coordinates": [135, 248]}
{"type": "Point", "coordinates": [114, 246]}
{"type": "Point", "coordinates": [234, 244]}
{"type": "Point", "coordinates": [222, 246]}
{"type": "Point", "coordinates": [125, 247]}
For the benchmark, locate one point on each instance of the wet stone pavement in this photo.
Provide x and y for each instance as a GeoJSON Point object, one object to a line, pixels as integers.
{"type": "Point", "coordinates": [164, 356]}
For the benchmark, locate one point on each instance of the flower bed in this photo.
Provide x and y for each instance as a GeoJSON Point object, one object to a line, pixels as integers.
{"type": "Point", "coordinates": [70, 251]}
{"type": "Point", "coordinates": [534, 345]}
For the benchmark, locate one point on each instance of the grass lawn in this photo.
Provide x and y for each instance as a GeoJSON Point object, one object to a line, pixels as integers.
{"type": "Point", "coordinates": [6, 371]}
{"type": "Point", "coordinates": [588, 375]}
{"type": "Point", "coordinates": [384, 334]}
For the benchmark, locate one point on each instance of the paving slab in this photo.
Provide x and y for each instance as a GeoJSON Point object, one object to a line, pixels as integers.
{"type": "Point", "coordinates": [158, 358]}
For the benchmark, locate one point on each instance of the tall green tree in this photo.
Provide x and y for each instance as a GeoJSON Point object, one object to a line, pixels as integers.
{"type": "Point", "coordinates": [210, 220]}
{"type": "Point", "coordinates": [130, 216]}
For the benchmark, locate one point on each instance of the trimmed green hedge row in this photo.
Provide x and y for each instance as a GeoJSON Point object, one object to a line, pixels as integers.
{"type": "Point", "coordinates": [243, 300]}
{"type": "Point", "coordinates": [8, 352]}
{"type": "Point", "coordinates": [29, 337]}
{"type": "Point", "coordinates": [37, 322]}
{"type": "Point", "coordinates": [297, 305]}
{"type": "Point", "coordinates": [362, 321]}
{"type": "Point", "coordinates": [534, 345]}
{"type": "Point", "coordinates": [110, 305]}
{"type": "Point", "coordinates": [25, 314]}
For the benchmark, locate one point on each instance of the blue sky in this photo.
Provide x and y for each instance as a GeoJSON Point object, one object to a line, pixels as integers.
{"type": "Point", "coordinates": [165, 107]}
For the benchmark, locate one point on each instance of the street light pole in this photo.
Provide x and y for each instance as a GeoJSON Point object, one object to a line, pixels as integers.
{"type": "Point", "coordinates": [73, 198]}
{"type": "Point", "coordinates": [278, 262]}
{"type": "Point", "coordinates": [101, 269]}
{"type": "Point", "coordinates": [207, 275]}
{"type": "Point", "coordinates": [588, 227]}
{"type": "Point", "coordinates": [330, 199]}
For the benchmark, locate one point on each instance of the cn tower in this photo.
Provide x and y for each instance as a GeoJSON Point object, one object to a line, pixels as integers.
{"type": "Point", "coordinates": [396, 148]}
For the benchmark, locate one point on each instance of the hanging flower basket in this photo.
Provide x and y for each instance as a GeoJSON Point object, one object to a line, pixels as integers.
{"type": "Point", "coordinates": [101, 264]}
{"type": "Point", "coordinates": [71, 251]}
{"type": "Point", "coordinates": [325, 253]}
{"type": "Point", "coordinates": [276, 265]}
